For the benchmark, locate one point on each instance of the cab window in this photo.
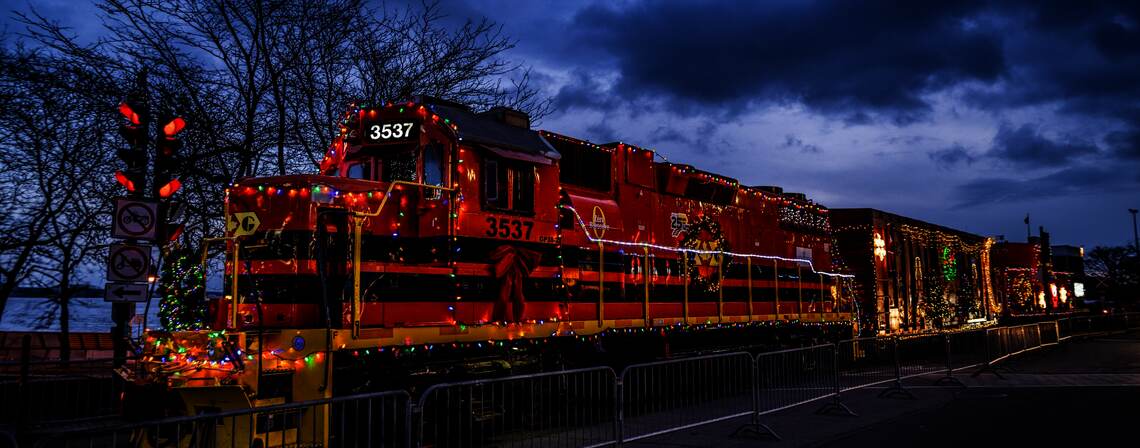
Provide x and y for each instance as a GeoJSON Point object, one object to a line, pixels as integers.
{"type": "Point", "coordinates": [400, 166]}
{"type": "Point", "coordinates": [360, 169]}
{"type": "Point", "coordinates": [433, 168]}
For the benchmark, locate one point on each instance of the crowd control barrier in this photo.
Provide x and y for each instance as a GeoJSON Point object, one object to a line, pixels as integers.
{"type": "Point", "coordinates": [597, 407]}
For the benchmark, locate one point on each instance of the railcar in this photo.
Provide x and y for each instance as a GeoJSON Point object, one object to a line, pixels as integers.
{"type": "Point", "coordinates": [430, 225]}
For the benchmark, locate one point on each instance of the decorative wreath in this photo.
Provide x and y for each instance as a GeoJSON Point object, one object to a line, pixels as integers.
{"type": "Point", "coordinates": [713, 239]}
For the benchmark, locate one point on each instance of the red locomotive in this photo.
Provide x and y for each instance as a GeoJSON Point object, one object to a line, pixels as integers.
{"type": "Point", "coordinates": [433, 225]}
{"type": "Point", "coordinates": [427, 216]}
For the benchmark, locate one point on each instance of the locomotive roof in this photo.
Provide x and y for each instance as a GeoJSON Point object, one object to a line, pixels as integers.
{"type": "Point", "coordinates": [482, 129]}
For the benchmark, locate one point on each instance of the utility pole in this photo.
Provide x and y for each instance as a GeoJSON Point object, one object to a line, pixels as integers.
{"type": "Point", "coordinates": [1135, 236]}
{"type": "Point", "coordinates": [1046, 269]}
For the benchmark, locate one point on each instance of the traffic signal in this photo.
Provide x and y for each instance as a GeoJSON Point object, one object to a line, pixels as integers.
{"type": "Point", "coordinates": [134, 130]}
{"type": "Point", "coordinates": [170, 213]}
{"type": "Point", "coordinates": [165, 148]}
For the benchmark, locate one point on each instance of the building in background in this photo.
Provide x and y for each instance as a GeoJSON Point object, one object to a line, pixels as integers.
{"type": "Point", "coordinates": [912, 275]}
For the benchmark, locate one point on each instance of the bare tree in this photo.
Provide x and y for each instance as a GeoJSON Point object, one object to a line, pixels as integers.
{"type": "Point", "coordinates": [261, 84]}
{"type": "Point", "coordinates": [55, 150]}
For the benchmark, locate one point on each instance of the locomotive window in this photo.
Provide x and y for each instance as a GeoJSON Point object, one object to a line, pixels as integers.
{"type": "Point", "coordinates": [433, 168]}
{"type": "Point", "coordinates": [361, 169]}
{"type": "Point", "coordinates": [491, 183]}
{"type": "Point", "coordinates": [433, 164]}
{"type": "Point", "coordinates": [508, 186]}
{"type": "Point", "coordinates": [522, 189]}
{"type": "Point", "coordinates": [400, 166]}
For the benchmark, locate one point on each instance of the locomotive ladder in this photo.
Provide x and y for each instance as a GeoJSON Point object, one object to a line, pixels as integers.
{"type": "Point", "coordinates": [357, 228]}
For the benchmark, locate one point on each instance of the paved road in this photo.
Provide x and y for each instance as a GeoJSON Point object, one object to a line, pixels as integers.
{"type": "Point", "coordinates": [1080, 393]}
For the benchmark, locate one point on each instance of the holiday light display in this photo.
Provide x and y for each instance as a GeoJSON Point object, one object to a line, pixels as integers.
{"type": "Point", "coordinates": [181, 290]}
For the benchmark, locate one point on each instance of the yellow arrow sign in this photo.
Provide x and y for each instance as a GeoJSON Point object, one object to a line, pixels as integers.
{"type": "Point", "coordinates": [242, 223]}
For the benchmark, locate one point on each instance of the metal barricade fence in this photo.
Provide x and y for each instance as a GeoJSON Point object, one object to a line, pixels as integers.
{"type": "Point", "coordinates": [1082, 324]}
{"type": "Point", "coordinates": [1004, 342]}
{"type": "Point", "coordinates": [865, 362]}
{"type": "Point", "coordinates": [42, 392]}
{"type": "Point", "coordinates": [58, 398]}
{"type": "Point", "coordinates": [1064, 328]}
{"type": "Point", "coordinates": [7, 440]}
{"type": "Point", "coordinates": [378, 419]}
{"type": "Point", "coordinates": [567, 408]}
{"type": "Point", "coordinates": [1048, 332]}
{"type": "Point", "coordinates": [965, 349]}
{"type": "Point", "coordinates": [793, 377]}
{"type": "Point", "coordinates": [594, 407]}
{"type": "Point", "coordinates": [921, 355]}
{"type": "Point", "coordinates": [666, 396]}
{"type": "Point", "coordinates": [1132, 320]}
{"type": "Point", "coordinates": [997, 347]}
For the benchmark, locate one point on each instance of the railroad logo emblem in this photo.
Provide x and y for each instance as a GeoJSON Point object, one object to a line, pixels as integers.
{"type": "Point", "coordinates": [243, 223]}
{"type": "Point", "coordinates": [707, 262]}
{"type": "Point", "coordinates": [598, 222]}
{"type": "Point", "coordinates": [678, 223]}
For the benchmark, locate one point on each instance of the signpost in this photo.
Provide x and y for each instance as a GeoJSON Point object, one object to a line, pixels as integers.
{"type": "Point", "coordinates": [135, 219]}
{"type": "Point", "coordinates": [146, 214]}
{"type": "Point", "coordinates": [128, 263]}
{"type": "Point", "coordinates": [125, 292]}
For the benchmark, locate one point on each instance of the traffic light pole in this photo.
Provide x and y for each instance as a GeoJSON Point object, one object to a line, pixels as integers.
{"type": "Point", "coordinates": [123, 312]}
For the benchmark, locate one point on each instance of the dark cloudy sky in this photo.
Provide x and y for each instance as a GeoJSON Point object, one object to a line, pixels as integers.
{"type": "Point", "coordinates": [969, 114]}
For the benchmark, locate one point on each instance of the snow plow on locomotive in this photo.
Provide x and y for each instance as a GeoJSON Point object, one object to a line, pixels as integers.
{"type": "Point", "coordinates": [431, 226]}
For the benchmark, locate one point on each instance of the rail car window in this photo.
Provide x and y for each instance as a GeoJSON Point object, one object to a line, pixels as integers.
{"type": "Point", "coordinates": [583, 166]}
{"type": "Point", "coordinates": [508, 186]}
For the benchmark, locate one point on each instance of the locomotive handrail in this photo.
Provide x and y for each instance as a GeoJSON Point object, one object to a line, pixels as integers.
{"type": "Point", "coordinates": [582, 223]}
{"type": "Point", "coordinates": [234, 281]}
{"type": "Point", "coordinates": [358, 225]}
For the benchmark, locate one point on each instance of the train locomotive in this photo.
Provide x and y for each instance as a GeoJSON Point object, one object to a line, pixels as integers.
{"type": "Point", "coordinates": [430, 225]}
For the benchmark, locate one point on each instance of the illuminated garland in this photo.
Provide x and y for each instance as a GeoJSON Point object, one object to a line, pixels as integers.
{"type": "Point", "coordinates": [692, 240]}
{"type": "Point", "coordinates": [683, 250]}
{"type": "Point", "coordinates": [181, 287]}
{"type": "Point", "coordinates": [949, 265]}
{"type": "Point", "coordinates": [195, 351]}
{"type": "Point", "coordinates": [796, 216]}
{"type": "Point", "coordinates": [932, 237]}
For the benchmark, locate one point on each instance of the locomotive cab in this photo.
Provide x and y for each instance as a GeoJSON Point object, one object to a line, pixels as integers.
{"type": "Point", "coordinates": [415, 203]}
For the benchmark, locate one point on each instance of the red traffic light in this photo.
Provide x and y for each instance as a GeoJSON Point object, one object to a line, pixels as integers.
{"type": "Point", "coordinates": [169, 189]}
{"type": "Point", "coordinates": [129, 113]}
{"type": "Point", "coordinates": [125, 181]}
{"type": "Point", "coordinates": [173, 231]}
{"type": "Point", "coordinates": [174, 127]}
